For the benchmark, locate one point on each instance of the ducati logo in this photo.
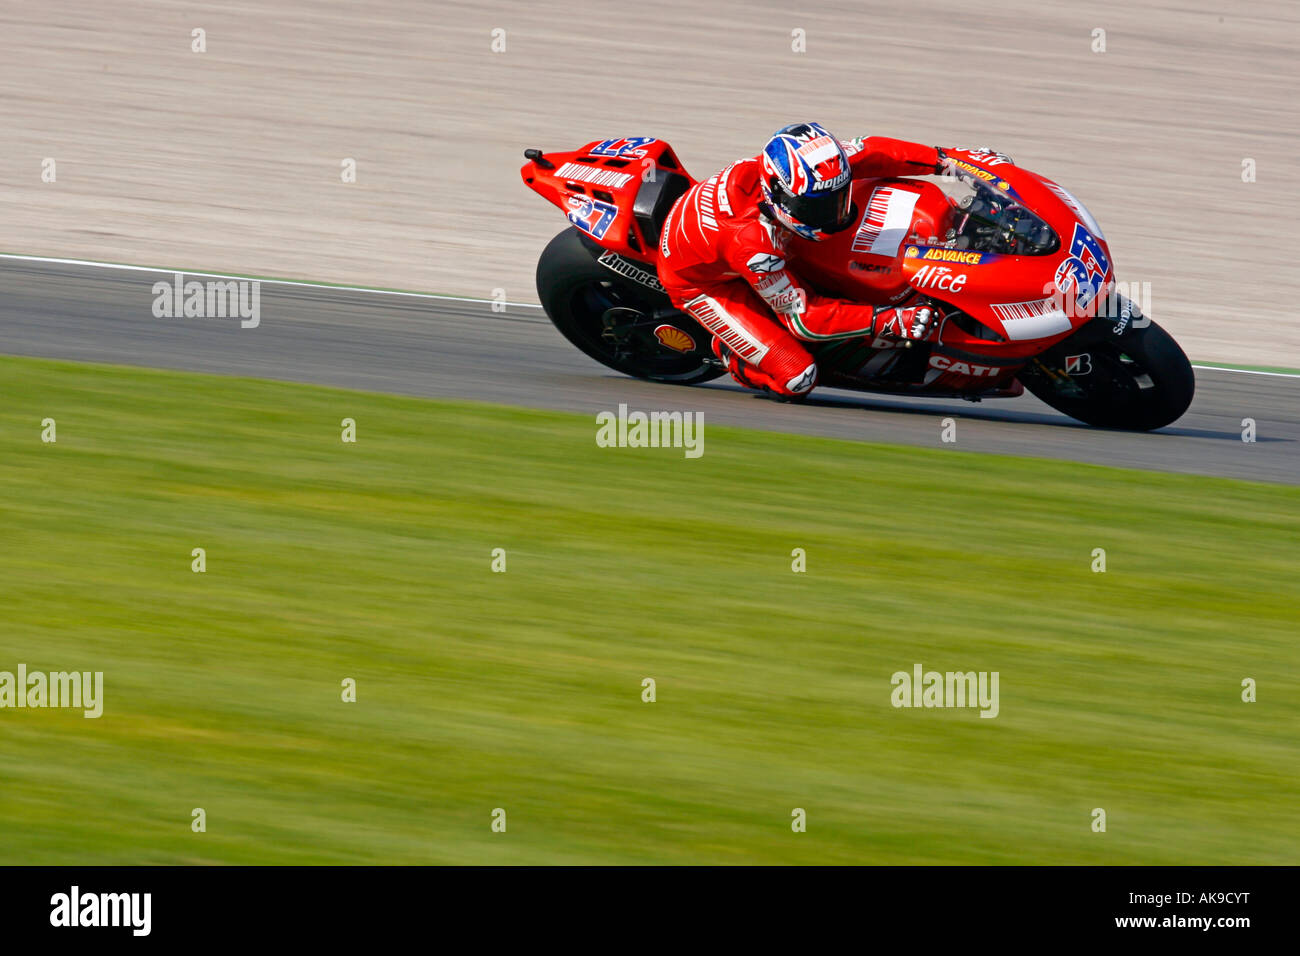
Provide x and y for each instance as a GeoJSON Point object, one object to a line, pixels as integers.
{"type": "Point", "coordinates": [947, 364]}
{"type": "Point", "coordinates": [1078, 364]}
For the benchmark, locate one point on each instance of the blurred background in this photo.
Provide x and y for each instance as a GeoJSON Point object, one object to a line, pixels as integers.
{"type": "Point", "coordinates": [230, 159]}
{"type": "Point", "coordinates": [522, 689]}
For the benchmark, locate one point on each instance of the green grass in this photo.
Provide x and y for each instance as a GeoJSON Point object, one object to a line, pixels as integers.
{"type": "Point", "coordinates": [522, 690]}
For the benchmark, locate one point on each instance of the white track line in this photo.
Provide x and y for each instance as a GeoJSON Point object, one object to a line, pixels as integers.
{"type": "Point", "coordinates": [413, 295]}
{"type": "Point", "coordinates": [294, 282]}
{"type": "Point", "coordinates": [1245, 371]}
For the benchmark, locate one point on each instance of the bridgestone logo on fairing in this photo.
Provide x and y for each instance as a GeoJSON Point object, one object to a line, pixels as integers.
{"type": "Point", "coordinates": [580, 173]}
{"type": "Point", "coordinates": [629, 270]}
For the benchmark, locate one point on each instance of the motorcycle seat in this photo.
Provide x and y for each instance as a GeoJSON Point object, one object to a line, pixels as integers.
{"type": "Point", "coordinates": [654, 200]}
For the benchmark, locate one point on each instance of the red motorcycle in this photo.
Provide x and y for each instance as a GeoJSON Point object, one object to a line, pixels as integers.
{"type": "Point", "coordinates": [1015, 265]}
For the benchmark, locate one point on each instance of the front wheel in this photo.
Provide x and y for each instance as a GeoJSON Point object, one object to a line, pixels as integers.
{"type": "Point", "coordinates": [619, 320]}
{"type": "Point", "coordinates": [1139, 381]}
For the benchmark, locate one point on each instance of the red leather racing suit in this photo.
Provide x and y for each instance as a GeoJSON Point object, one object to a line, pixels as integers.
{"type": "Point", "coordinates": [722, 261]}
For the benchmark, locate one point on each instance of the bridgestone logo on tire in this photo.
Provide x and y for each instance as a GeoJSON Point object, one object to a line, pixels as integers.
{"type": "Point", "coordinates": [629, 270]}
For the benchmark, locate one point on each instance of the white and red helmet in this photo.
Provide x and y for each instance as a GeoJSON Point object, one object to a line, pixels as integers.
{"type": "Point", "coordinates": [807, 181]}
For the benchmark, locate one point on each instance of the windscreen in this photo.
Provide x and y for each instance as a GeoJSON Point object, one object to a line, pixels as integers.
{"type": "Point", "coordinates": [989, 220]}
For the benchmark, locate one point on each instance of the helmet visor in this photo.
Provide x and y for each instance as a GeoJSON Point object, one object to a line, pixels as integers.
{"type": "Point", "coordinates": [825, 212]}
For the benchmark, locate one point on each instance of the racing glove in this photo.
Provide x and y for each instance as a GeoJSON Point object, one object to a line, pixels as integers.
{"type": "Point", "coordinates": [946, 166]}
{"type": "Point", "coordinates": [1001, 157]}
{"type": "Point", "coordinates": [915, 323]}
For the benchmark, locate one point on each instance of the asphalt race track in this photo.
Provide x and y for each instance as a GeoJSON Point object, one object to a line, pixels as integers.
{"type": "Point", "coordinates": [446, 348]}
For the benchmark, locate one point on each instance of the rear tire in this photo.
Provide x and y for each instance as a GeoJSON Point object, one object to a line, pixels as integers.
{"type": "Point", "coordinates": [612, 318]}
{"type": "Point", "coordinates": [1139, 381]}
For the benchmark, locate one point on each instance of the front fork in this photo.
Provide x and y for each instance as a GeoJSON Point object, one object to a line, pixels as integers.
{"type": "Point", "coordinates": [1116, 317]}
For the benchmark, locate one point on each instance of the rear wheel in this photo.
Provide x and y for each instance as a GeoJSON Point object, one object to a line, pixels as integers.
{"type": "Point", "coordinates": [1140, 380]}
{"type": "Point", "coordinates": [617, 321]}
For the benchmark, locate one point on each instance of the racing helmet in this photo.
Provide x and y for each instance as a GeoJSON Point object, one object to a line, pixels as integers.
{"type": "Point", "coordinates": [806, 181]}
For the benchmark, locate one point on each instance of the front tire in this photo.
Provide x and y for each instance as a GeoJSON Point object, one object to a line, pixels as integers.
{"type": "Point", "coordinates": [1138, 381]}
{"type": "Point", "coordinates": [613, 318]}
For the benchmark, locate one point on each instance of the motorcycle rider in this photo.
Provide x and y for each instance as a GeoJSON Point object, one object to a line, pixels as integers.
{"type": "Point", "coordinates": [722, 253]}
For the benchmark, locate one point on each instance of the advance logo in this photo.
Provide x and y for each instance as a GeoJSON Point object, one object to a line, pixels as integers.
{"type": "Point", "coordinates": [103, 909]}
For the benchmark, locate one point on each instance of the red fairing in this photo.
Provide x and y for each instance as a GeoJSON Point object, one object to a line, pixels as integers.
{"type": "Point", "coordinates": [899, 248]}
{"type": "Point", "coordinates": [596, 187]}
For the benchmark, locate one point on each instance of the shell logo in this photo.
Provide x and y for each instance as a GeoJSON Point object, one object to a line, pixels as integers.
{"type": "Point", "coordinates": [912, 252]}
{"type": "Point", "coordinates": [671, 337]}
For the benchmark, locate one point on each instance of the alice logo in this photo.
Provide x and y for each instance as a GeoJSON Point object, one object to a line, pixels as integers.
{"type": "Point", "coordinates": [652, 430]}
{"type": "Point", "coordinates": [951, 689]}
{"type": "Point", "coordinates": [230, 298]}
